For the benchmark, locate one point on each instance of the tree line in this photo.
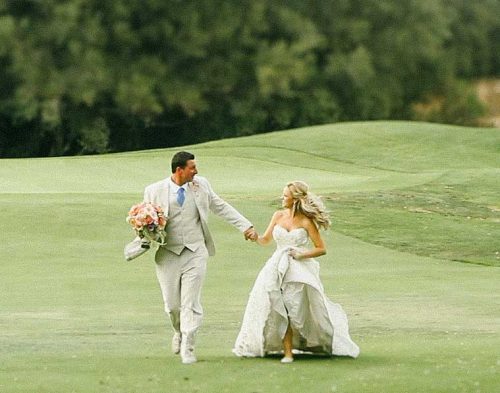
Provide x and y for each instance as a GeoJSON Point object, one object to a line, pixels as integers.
{"type": "Point", "coordinates": [93, 76]}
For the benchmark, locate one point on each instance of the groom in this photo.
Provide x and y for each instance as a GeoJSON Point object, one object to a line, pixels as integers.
{"type": "Point", "coordinates": [181, 263]}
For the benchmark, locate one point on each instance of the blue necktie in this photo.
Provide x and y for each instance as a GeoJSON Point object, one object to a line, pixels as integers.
{"type": "Point", "coordinates": [180, 196]}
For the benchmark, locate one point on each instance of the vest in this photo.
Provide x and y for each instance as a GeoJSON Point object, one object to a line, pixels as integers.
{"type": "Point", "coordinates": [184, 226]}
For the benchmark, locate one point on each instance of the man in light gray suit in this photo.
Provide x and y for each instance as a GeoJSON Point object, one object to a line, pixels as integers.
{"type": "Point", "coordinates": [181, 264]}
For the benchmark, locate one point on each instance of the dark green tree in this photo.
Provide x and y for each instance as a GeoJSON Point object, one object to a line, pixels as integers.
{"type": "Point", "coordinates": [90, 76]}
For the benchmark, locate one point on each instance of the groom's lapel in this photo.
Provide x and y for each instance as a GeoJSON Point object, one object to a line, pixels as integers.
{"type": "Point", "coordinates": [198, 200]}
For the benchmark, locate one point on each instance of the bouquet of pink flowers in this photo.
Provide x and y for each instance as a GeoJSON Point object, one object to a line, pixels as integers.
{"type": "Point", "coordinates": [148, 221]}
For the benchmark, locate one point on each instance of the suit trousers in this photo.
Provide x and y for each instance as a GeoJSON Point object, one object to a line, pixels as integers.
{"type": "Point", "coordinates": [181, 278]}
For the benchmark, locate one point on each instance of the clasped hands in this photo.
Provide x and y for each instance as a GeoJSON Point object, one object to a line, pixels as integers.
{"type": "Point", "coordinates": [251, 234]}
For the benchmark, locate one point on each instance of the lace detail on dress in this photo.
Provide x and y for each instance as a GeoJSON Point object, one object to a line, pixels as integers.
{"type": "Point", "coordinates": [296, 237]}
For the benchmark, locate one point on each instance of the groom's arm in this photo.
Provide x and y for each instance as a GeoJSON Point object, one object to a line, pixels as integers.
{"type": "Point", "coordinates": [227, 212]}
{"type": "Point", "coordinates": [148, 197]}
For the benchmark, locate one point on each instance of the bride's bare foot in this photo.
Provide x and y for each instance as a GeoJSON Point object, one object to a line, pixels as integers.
{"type": "Point", "coordinates": [288, 345]}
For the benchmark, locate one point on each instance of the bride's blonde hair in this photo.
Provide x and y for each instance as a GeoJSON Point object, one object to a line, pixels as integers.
{"type": "Point", "coordinates": [308, 204]}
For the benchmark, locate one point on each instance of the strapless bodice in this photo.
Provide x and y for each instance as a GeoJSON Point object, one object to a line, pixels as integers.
{"type": "Point", "coordinates": [296, 237]}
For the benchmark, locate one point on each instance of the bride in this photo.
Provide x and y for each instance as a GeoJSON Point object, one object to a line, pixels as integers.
{"type": "Point", "coordinates": [287, 308]}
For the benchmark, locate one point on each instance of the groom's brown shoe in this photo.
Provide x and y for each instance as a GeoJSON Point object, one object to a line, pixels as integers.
{"type": "Point", "coordinates": [176, 343]}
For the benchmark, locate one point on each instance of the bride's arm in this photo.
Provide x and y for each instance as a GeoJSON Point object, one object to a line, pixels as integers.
{"type": "Point", "coordinates": [319, 245]}
{"type": "Point", "coordinates": [268, 234]}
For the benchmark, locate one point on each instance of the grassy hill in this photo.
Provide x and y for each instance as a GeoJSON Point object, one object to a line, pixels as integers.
{"type": "Point", "coordinates": [423, 188]}
{"type": "Point", "coordinates": [410, 202]}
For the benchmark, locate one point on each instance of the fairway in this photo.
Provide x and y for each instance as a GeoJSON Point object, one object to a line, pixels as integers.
{"type": "Point", "coordinates": [413, 257]}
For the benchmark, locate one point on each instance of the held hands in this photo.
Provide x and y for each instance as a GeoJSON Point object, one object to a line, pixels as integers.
{"type": "Point", "coordinates": [251, 234]}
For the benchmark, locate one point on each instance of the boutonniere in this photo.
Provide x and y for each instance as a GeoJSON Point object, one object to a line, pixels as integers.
{"type": "Point", "coordinates": [195, 185]}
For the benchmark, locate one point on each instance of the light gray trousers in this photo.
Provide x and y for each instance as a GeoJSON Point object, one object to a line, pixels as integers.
{"type": "Point", "coordinates": [181, 279]}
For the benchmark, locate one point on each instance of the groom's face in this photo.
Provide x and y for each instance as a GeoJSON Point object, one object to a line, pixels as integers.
{"type": "Point", "coordinates": [188, 172]}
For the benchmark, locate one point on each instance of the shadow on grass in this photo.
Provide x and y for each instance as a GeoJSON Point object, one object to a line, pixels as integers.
{"type": "Point", "coordinates": [273, 358]}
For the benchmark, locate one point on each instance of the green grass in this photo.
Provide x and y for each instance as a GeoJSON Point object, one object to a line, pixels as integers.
{"type": "Point", "coordinates": [409, 201]}
{"type": "Point", "coordinates": [433, 220]}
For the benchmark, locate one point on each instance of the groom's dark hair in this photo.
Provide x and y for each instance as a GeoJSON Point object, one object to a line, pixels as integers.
{"type": "Point", "coordinates": [180, 159]}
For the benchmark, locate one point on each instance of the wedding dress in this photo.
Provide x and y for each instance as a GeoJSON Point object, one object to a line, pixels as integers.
{"type": "Point", "coordinates": [288, 289]}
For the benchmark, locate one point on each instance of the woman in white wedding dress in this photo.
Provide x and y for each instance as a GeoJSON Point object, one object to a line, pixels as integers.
{"type": "Point", "coordinates": [287, 308]}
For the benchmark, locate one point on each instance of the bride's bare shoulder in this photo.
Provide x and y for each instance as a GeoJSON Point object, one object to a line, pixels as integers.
{"type": "Point", "coordinates": [278, 214]}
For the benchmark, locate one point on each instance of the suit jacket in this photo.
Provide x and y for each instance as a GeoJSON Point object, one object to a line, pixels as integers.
{"type": "Point", "coordinates": [205, 199]}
